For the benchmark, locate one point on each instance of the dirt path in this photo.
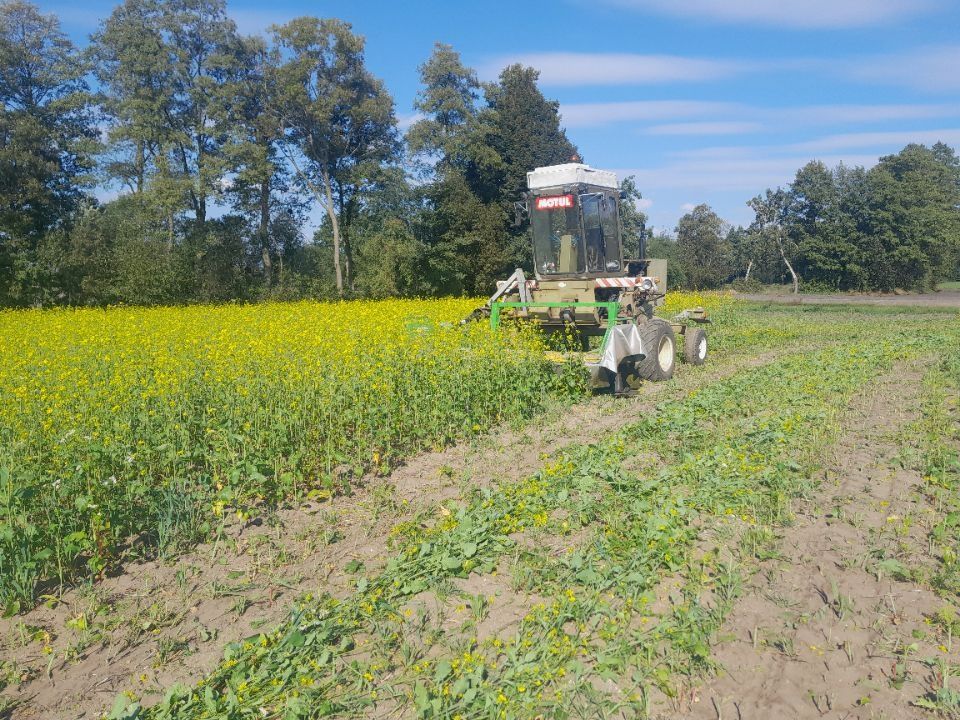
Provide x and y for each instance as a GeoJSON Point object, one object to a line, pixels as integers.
{"type": "Point", "coordinates": [822, 630]}
{"type": "Point", "coordinates": [941, 299]}
{"type": "Point", "coordinates": [160, 623]}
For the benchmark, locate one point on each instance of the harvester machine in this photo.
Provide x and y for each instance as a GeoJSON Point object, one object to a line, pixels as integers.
{"type": "Point", "coordinates": [584, 290]}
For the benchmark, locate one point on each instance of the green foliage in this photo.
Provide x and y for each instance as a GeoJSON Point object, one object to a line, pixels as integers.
{"type": "Point", "coordinates": [46, 141]}
{"type": "Point", "coordinates": [475, 159]}
{"type": "Point", "coordinates": [702, 248]}
{"type": "Point", "coordinates": [196, 119]}
{"type": "Point", "coordinates": [665, 247]}
{"type": "Point", "coordinates": [894, 226]}
{"type": "Point", "coordinates": [633, 221]}
{"type": "Point", "coordinates": [527, 130]}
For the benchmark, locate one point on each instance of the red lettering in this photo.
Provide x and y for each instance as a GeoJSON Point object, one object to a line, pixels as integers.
{"type": "Point", "coordinates": [554, 202]}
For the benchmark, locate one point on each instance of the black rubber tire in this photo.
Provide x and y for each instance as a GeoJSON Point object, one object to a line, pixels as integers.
{"type": "Point", "coordinates": [660, 346]}
{"type": "Point", "coordinates": [695, 346]}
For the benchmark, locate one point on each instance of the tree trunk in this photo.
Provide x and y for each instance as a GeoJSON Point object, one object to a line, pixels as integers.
{"type": "Point", "coordinates": [796, 282]}
{"type": "Point", "coordinates": [139, 163]}
{"type": "Point", "coordinates": [346, 209]}
{"type": "Point", "coordinates": [325, 197]}
{"type": "Point", "coordinates": [749, 268]}
{"type": "Point", "coordinates": [335, 226]}
{"type": "Point", "coordinates": [264, 230]}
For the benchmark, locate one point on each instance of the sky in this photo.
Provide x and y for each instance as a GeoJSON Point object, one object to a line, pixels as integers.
{"type": "Point", "coordinates": [703, 101]}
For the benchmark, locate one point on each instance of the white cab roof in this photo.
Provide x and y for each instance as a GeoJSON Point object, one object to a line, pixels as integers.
{"type": "Point", "coordinates": [570, 174]}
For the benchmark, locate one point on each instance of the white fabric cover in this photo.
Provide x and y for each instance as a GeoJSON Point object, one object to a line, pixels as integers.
{"type": "Point", "coordinates": [570, 174]}
{"type": "Point", "coordinates": [624, 342]}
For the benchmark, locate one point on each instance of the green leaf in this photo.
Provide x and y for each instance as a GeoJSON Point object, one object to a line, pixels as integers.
{"type": "Point", "coordinates": [460, 686]}
{"type": "Point", "coordinates": [421, 699]}
{"type": "Point", "coordinates": [123, 709]}
{"type": "Point", "coordinates": [11, 609]}
{"type": "Point", "coordinates": [443, 670]}
{"type": "Point", "coordinates": [295, 639]}
{"type": "Point", "coordinates": [469, 549]}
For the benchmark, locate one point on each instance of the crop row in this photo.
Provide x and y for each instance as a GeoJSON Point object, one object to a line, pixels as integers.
{"type": "Point", "coordinates": [734, 452]}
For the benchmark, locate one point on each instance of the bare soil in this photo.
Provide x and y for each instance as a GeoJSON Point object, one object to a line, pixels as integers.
{"type": "Point", "coordinates": [822, 631]}
{"type": "Point", "coordinates": [940, 299]}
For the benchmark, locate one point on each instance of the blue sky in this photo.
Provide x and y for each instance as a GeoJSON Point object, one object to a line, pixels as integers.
{"type": "Point", "coordinates": [702, 100]}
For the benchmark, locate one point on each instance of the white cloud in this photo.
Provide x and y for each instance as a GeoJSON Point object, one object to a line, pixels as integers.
{"type": "Point", "coordinates": [705, 128]}
{"type": "Point", "coordinates": [837, 114]}
{"type": "Point", "coordinates": [688, 207]}
{"type": "Point", "coordinates": [405, 120]}
{"type": "Point", "coordinates": [570, 68]}
{"type": "Point", "coordinates": [258, 22]}
{"type": "Point", "coordinates": [594, 114]}
{"type": "Point", "coordinates": [745, 170]}
{"type": "Point", "coordinates": [732, 117]}
{"type": "Point", "coordinates": [932, 69]}
{"type": "Point", "coordinates": [787, 13]}
{"type": "Point", "coordinates": [643, 203]}
{"type": "Point", "coordinates": [894, 139]}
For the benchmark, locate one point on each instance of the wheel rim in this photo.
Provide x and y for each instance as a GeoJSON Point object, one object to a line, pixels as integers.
{"type": "Point", "coordinates": [665, 353]}
{"type": "Point", "coordinates": [702, 348]}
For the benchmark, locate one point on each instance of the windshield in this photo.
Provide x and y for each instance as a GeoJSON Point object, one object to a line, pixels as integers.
{"type": "Point", "coordinates": [557, 242]}
{"type": "Point", "coordinates": [610, 222]}
{"type": "Point", "coordinates": [592, 231]}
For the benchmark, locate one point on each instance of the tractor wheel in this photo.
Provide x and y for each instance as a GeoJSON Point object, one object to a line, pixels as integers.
{"type": "Point", "coordinates": [661, 347]}
{"type": "Point", "coordinates": [695, 346]}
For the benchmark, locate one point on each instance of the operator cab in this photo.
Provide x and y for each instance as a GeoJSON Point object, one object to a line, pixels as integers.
{"type": "Point", "coordinates": [575, 221]}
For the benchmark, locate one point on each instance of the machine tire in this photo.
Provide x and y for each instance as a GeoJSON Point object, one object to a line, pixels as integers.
{"type": "Point", "coordinates": [695, 346]}
{"type": "Point", "coordinates": [661, 346]}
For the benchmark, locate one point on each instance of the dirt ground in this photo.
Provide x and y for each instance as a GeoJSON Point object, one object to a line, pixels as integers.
{"type": "Point", "coordinates": [941, 299]}
{"type": "Point", "coordinates": [822, 631]}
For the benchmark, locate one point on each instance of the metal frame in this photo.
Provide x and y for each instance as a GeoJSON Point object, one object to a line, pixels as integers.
{"type": "Point", "coordinates": [612, 310]}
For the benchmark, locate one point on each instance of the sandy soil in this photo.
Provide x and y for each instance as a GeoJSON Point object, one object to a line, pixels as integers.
{"type": "Point", "coordinates": [822, 632]}
{"type": "Point", "coordinates": [941, 299]}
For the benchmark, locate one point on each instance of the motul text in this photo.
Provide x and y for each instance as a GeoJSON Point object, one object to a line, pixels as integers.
{"type": "Point", "coordinates": [553, 202]}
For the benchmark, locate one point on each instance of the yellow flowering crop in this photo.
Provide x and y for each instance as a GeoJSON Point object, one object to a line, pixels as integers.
{"type": "Point", "coordinates": [149, 422]}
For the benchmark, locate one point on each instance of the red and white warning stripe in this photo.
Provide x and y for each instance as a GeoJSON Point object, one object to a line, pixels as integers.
{"type": "Point", "coordinates": [624, 282]}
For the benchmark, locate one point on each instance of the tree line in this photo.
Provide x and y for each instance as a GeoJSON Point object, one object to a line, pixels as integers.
{"type": "Point", "coordinates": [173, 159]}
{"type": "Point", "coordinates": [215, 148]}
{"type": "Point", "coordinates": [896, 225]}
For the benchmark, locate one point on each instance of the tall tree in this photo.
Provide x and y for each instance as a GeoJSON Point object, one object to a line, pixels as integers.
{"type": "Point", "coordinates": [46, 142]}
{"type": "Point", "coordinates": [633, 221]}
{"type": "Point", "coordinates": [134, 70]}
{"type": "Point", "coordinates": [163, 68]}
{"type": "Point", "coordinates": [261, 187]}
{"type": "Point", "coordinates": [463, 223]}
{"type": "Point", "coordinates": [914, 213]}
{"type": "Point", "coordinates": [768, 224]}
{"type": "Point", "coordinates": [702, 247]}
{"type": "Point", "coordinates": [449, 102]}
{"type": "Point", "coordinates": [336, 116]}
{"type": "Point", "coordinates": [527, 126]}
